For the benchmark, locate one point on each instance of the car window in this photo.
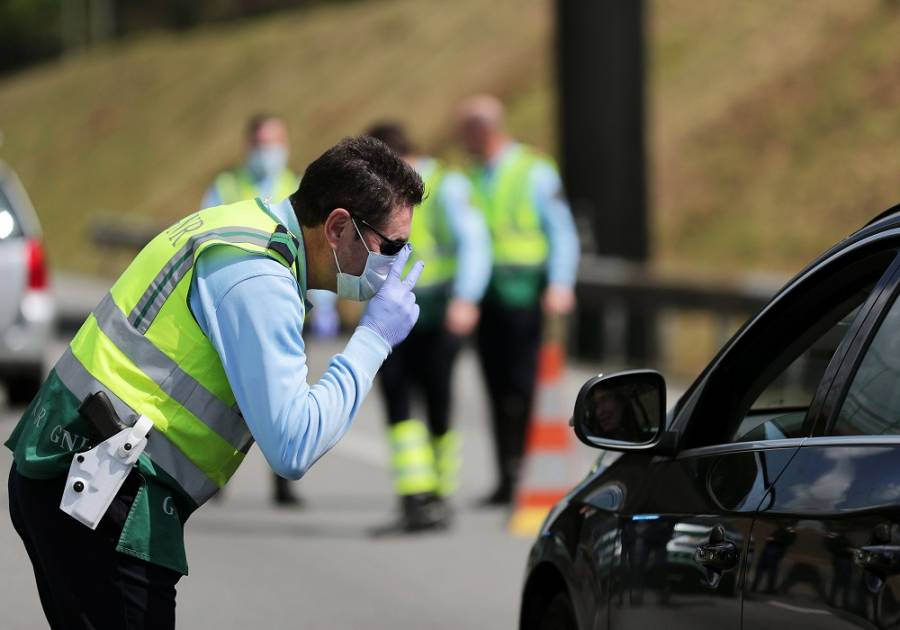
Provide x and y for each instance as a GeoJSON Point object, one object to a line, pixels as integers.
{"type": "Point", "coordinates": [9, 225]}
{"type": "Point", "coordinates": [872, 404]}
{"type": "Point", "coordinates": [780, 410]}
{"type": "Point", "coordinates": [762, 385]}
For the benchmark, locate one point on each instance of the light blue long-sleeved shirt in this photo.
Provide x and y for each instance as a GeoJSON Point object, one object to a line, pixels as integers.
{"type": "Point", "coordinates": [251, 309]}
{"type": "Point", "coordinates": [473, 242]}
{"type": "Point", "coordinates": [555, 216]}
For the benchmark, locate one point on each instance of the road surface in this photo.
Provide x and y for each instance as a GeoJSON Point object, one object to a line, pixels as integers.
{"type": "Point", "coordinates": [252, 565]}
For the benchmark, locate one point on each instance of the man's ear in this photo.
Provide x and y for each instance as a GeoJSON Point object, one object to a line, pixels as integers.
{"type": "Point", "coordinates": [336, 223]}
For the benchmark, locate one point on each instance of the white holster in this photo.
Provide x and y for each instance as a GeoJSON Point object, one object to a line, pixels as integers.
{"type": "Point", "coordinates": [95, 476]}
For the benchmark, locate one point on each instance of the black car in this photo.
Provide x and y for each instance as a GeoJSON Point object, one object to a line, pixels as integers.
{"type": "Point", "coordinates": [769, 496]}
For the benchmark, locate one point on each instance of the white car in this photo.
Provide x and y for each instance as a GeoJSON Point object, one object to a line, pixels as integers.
{"type": "Point", "coordinates": [27, 308]}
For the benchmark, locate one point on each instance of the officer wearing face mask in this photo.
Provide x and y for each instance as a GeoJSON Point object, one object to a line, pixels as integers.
{"type": "Point", "coordinates": [265, 172]}
{"type": "Point", "coordinates": [195, 353]}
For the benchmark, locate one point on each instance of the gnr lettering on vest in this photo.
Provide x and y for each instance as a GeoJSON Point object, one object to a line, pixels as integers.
{"type": "Point", "coordinates": [169, 506]}
{"type": "Point", "coordinates": [187, 225]}
{"type": "Point", "coordinates": [40, 417]}
{"type": "Point", "coordinates": [68, 441]}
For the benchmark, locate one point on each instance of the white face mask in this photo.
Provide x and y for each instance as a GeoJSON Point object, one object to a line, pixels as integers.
{"type": "Point", "coordinates": [267, 161]}
{"type": "Point", "coordinates": [363, 287]}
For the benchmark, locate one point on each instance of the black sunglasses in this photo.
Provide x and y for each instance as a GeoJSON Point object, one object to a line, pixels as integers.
{"type": "Point", "coordinates": [388, 247]}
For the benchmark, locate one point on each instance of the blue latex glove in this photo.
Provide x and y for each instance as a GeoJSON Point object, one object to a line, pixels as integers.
{"type": "Point", "coordinates": [393, 311]}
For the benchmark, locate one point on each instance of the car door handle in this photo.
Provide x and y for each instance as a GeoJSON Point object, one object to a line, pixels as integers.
{"type": "Point", "coordinates": [879, 558]}
{"type": "Point", "coordinates": [719, 556]}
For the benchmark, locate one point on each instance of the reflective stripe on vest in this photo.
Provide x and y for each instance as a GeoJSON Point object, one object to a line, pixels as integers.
{"type": "Point", "coordinates": [238, 185]}
{"type": "Point", "coordinates": [514, 223]}
{"type": "Point", "coordinates": [143, 346]}
{"type": "Point", "coordinates": [430, 235]}
{"type": "Point", "coordinates": [161, 451]}
{"type": "Point", "coordinates": [145, 311]}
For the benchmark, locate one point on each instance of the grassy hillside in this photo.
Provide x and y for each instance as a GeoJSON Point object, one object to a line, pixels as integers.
{"type": "Point", "coordinates": [141, 128]}
{"type": "Point", "coordinates": [771, 122]}
{"type": "Point", "coordinates": [776, 136]}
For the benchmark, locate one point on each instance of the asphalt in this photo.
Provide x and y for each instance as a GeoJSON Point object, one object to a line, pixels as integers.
{"type": "Point", "coordinates": [320, 566]}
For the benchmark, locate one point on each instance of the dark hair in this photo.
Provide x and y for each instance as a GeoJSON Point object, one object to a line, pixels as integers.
{"type": "Point", "coordinates": [392, 134]}
{"type": "Point", "coordinates": [258, 120]}
{"type": "Point", "coordinates": [361, 175]}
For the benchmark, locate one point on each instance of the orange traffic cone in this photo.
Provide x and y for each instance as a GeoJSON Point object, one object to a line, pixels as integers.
{"type": "Point", "coordinates": [548, 469]}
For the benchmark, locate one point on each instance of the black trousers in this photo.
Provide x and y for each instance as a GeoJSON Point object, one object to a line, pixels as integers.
{"type": "Point", "coordinates": [424, 363]}
{"type": "Point", "coordinates": [508, 344]}
{"type": "Point", "coordinates": [83, 582]}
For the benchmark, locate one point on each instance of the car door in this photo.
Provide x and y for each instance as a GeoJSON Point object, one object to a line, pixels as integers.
{"type": "Point", "coordinates": [685, 522]}
{"type": "Point", "coordinates": [828, 533]}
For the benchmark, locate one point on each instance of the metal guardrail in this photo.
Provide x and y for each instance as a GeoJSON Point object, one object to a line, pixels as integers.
{"type": "Point", "coordinates": [619, 302]}
{"type": "Point", "coordinates": [601, 279]}
{"type": "Point", "coordinates": [117, 232]}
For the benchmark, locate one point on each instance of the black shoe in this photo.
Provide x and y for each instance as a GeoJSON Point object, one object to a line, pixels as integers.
{"type": "Point", "coordinates": [502, 496]}
{"type": "Point", "coordinates": [419, 513]}
{"type": "Point", "coordinates": [423, 512]}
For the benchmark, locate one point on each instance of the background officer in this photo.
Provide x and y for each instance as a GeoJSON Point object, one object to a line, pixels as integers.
{"type": "Point", "coordinates": [202, 334]}
{"type": "Point", "coordinates": [265, 174]}
{"type": "Point", "coordinates": [449, 235]}
{"type": "Point", "coordinates": [535, 257]}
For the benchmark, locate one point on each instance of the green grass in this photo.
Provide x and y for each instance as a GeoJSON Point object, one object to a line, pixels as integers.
{"type": "Point", "coordinates": [140, 128]}
{"type": "Point", "coordinates": [772, 124]}
{"type": "Point", "coordinates": [775, 137]}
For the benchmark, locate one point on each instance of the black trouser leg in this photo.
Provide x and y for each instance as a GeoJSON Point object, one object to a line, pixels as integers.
{"type": "Point", "coordinates": [424, 363]}
{"type": "Point", "coordinates": [508, 344]}
{"type": "Point", "coordinates": [83, 582]}
{"type": "Point", "coordinates": [395, 380]}
{"type": "Point", "coordinates": [425, 456]}
{"type": "Point", "coordinates": [437, 352]}
{"type": "Point", "coordinates": [283, 491]}
{"type": "Point", "coordinates": [491, 349]}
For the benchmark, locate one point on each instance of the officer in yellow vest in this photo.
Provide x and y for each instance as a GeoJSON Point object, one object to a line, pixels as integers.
{"type": "Point", "coordinates": [195, 353]}
{"type": "Point", "coordinates": [535, 257]}
{"type": "Point", "coordinates": [265, 172]}
{"type": "Point", "coordinates": [450, 236]}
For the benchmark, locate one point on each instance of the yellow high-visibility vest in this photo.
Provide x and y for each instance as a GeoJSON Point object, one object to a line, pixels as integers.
{"type": "Point", "coordinates": [142, 346]}
{"type": "Point", "coordinates": [430, 235]}
{"type": "Point", "coordinates": [517, 239]}
{"type": "Point", "coordinates": [238, 185]}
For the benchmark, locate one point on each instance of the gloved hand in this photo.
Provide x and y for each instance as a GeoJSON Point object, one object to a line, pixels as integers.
{"type": "Point", "coordinates": [393, 311]}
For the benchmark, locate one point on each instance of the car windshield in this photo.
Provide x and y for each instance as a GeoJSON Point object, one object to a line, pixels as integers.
{"type": "Point", "coordinates": [9, 225]}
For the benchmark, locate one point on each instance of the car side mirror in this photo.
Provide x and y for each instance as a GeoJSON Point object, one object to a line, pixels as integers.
{"type": "Point", "coordinates": [625, 411]}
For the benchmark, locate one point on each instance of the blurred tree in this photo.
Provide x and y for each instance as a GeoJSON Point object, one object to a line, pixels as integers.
{"type": "Point", "coordinates": [28, 32]}
{"type": "Point", "coordinates": [36, 30]}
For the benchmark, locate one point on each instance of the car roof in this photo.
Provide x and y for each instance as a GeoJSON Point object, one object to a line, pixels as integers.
{"type": "Point", "coordinates": [891, 213]}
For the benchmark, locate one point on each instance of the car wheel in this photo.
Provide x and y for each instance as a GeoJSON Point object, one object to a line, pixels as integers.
{"type": "Point", "coordinates": [22, 388]}
{"type": "Point", "coordinates": [559, 614]}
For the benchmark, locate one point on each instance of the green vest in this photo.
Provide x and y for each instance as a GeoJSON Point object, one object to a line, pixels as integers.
{"type": "Point", "coordinates": [519, 244]}
{"type": "Point", "coordinates": [143, 348]}
{"type": "Point", "coordinates": [434, 243]}
{"type": "Point", "coordinates": [238, 185]}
